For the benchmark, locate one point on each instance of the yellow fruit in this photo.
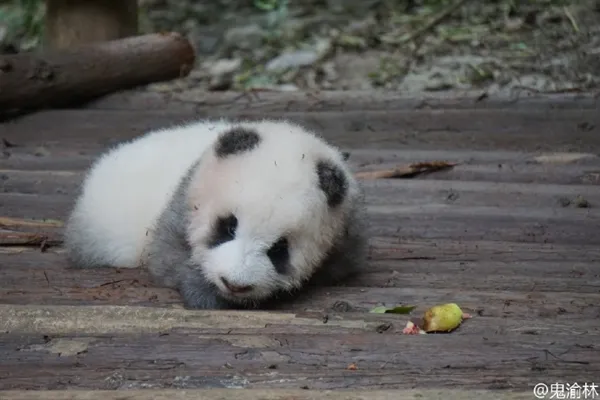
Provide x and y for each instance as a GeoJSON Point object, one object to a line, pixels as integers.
{"type": "Point", "coordinates": [442, 318]}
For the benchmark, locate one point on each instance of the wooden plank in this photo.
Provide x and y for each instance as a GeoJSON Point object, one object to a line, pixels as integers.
{"type": "Point", "coordinates": [387, 250]}
{"type": "Point", "coordinates": [32, 268]}
{"type": "Point", "coordinates": [483, 275]}
{"type": "Point", "coordinates": [35, 206]}
{"type": "Point", "coordinates": [115, 320]}
{"type": "Point", "coordinates": [425, 197]}
{"type": "Point", "coordinates": [375, 158]}
{"type": "Point", "coordinates": [514, 130]}
{"type": "Point", "coordinates": [268, 394]}
{"type": "Point", "coordinates": [552, 287]}
{"type": "Point", "coordinates": [533, 314]}
{"type": "Point", "coordinates": [413, 192]}
{"type": "Point", "coordinates": [529, 313]}
{"type": "Point", "coordinates": [421, 190]}
{"type": "Point", "coordinates": [484, 223]}
{"type": "Point", "coordinates": [29, 268]}
{"type": "Point", "coordinates": [64, 166]}
{"type": "Point", "coordinates": [125, 363]}
{"type": "Point", "coordinates": [447, 249]}
{"type": "Point", "coordinates": [160, 346]}
{"type": "Point", "coordinates": [112, 292]}
{"type": "Point", "coordinates": [351, 100]}
{"type": "Point", "coordinates": [491, 235]}
{"type": "Point", "coordinates": [360, 158]}
{"type": "Point", "coordinates": [431, 221]}
{"type": "Point", "coordinates": [41, 182]}
{"type": "Point", "coordinates": [565, 175]}
{"type": "Point", "coordinates": [55, 164]}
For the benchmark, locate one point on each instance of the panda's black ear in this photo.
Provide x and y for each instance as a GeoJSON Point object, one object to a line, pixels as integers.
{"type": "Point", "coordinates": [346, 155]}
{"type": "Point", "coordinates": [332, 182]}
{"type": "Point", "coordinates": [236, 140]}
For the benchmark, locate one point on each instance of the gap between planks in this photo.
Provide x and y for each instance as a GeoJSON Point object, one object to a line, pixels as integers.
{"type": "Point", "coordinates": [269, 394]}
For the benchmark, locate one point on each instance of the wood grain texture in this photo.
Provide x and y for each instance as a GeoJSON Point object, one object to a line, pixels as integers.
{"type": "Point", "coordinates": [504, 234]}
{"type": "Point", "coordinates": [482, 129]}
{"type": "Point", "coordinates": [268, 349]}
{"type": "Point", "coordinates": [50, 164]}
{"type": "Point", "coordinates": [194, 361]}
{"type": "Point", "coordinates": [433, 222]}
{"type": "Point", "coordinates": [399, 272]}
{"type": "Point", "coordinates": [351, 100]}
{"type": "Point", "coordinates": [270, 394]}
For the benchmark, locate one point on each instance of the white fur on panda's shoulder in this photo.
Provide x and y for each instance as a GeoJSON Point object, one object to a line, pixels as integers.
{"type": "Point", "coordinates": [127, 188]}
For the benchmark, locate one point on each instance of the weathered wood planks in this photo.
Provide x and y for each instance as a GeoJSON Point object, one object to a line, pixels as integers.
{"type": "Point", "coordinates": [485, 129]}
{"type": "Point", "coordinates": [269, 394]}
{"type": "Point", "coordinates": [399, 272]}
{"type": "Point", "coordinates": [162, 348]}
{"type": "Point", "coordinates": [504, 234]}
{"type": "Point", "coordinates": [351, 100]}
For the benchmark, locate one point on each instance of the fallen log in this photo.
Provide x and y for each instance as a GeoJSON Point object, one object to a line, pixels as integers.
{"type": "Point", "coordinates": [62, 77]}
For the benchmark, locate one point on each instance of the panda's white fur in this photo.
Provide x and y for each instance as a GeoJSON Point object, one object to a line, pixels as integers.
{"type": "Point", "coordinates": [154, 201]}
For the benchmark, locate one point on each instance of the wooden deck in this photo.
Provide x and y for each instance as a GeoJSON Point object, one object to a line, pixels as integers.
{"type": "Point", "coordinates": [511, 234]}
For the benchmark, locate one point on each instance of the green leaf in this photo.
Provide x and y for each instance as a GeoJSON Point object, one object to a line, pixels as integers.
{"type": "Point", "coordinates": [266, 5]}
{"type": "Point", "coordinates": [393, 310]}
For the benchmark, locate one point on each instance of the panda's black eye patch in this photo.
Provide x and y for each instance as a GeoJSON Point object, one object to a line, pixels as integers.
{"type": "Point", "coordinates": [224, 230]}
{"type": "Point", "coordinates": [279, 254]}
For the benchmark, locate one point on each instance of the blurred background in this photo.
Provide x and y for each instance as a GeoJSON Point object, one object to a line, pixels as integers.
{"type": "Point", "coordinates": [402, 45]}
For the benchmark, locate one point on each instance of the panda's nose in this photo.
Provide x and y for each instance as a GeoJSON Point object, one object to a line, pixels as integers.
{"type": "Point", "coordinates": [236, 288]}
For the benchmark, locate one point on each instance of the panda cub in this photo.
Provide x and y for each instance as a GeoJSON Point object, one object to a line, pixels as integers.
{"type": "Point", "coordinates": [231, 214]}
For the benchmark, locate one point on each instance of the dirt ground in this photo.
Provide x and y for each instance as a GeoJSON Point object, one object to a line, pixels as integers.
{"type": "Point", "coordinates": [410, 46]}
{"type": "Point", "coordinates": [403, 45]}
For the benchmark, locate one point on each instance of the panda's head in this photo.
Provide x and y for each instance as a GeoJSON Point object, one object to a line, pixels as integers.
{"type": "Point", "coordinates": [267, 202]}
